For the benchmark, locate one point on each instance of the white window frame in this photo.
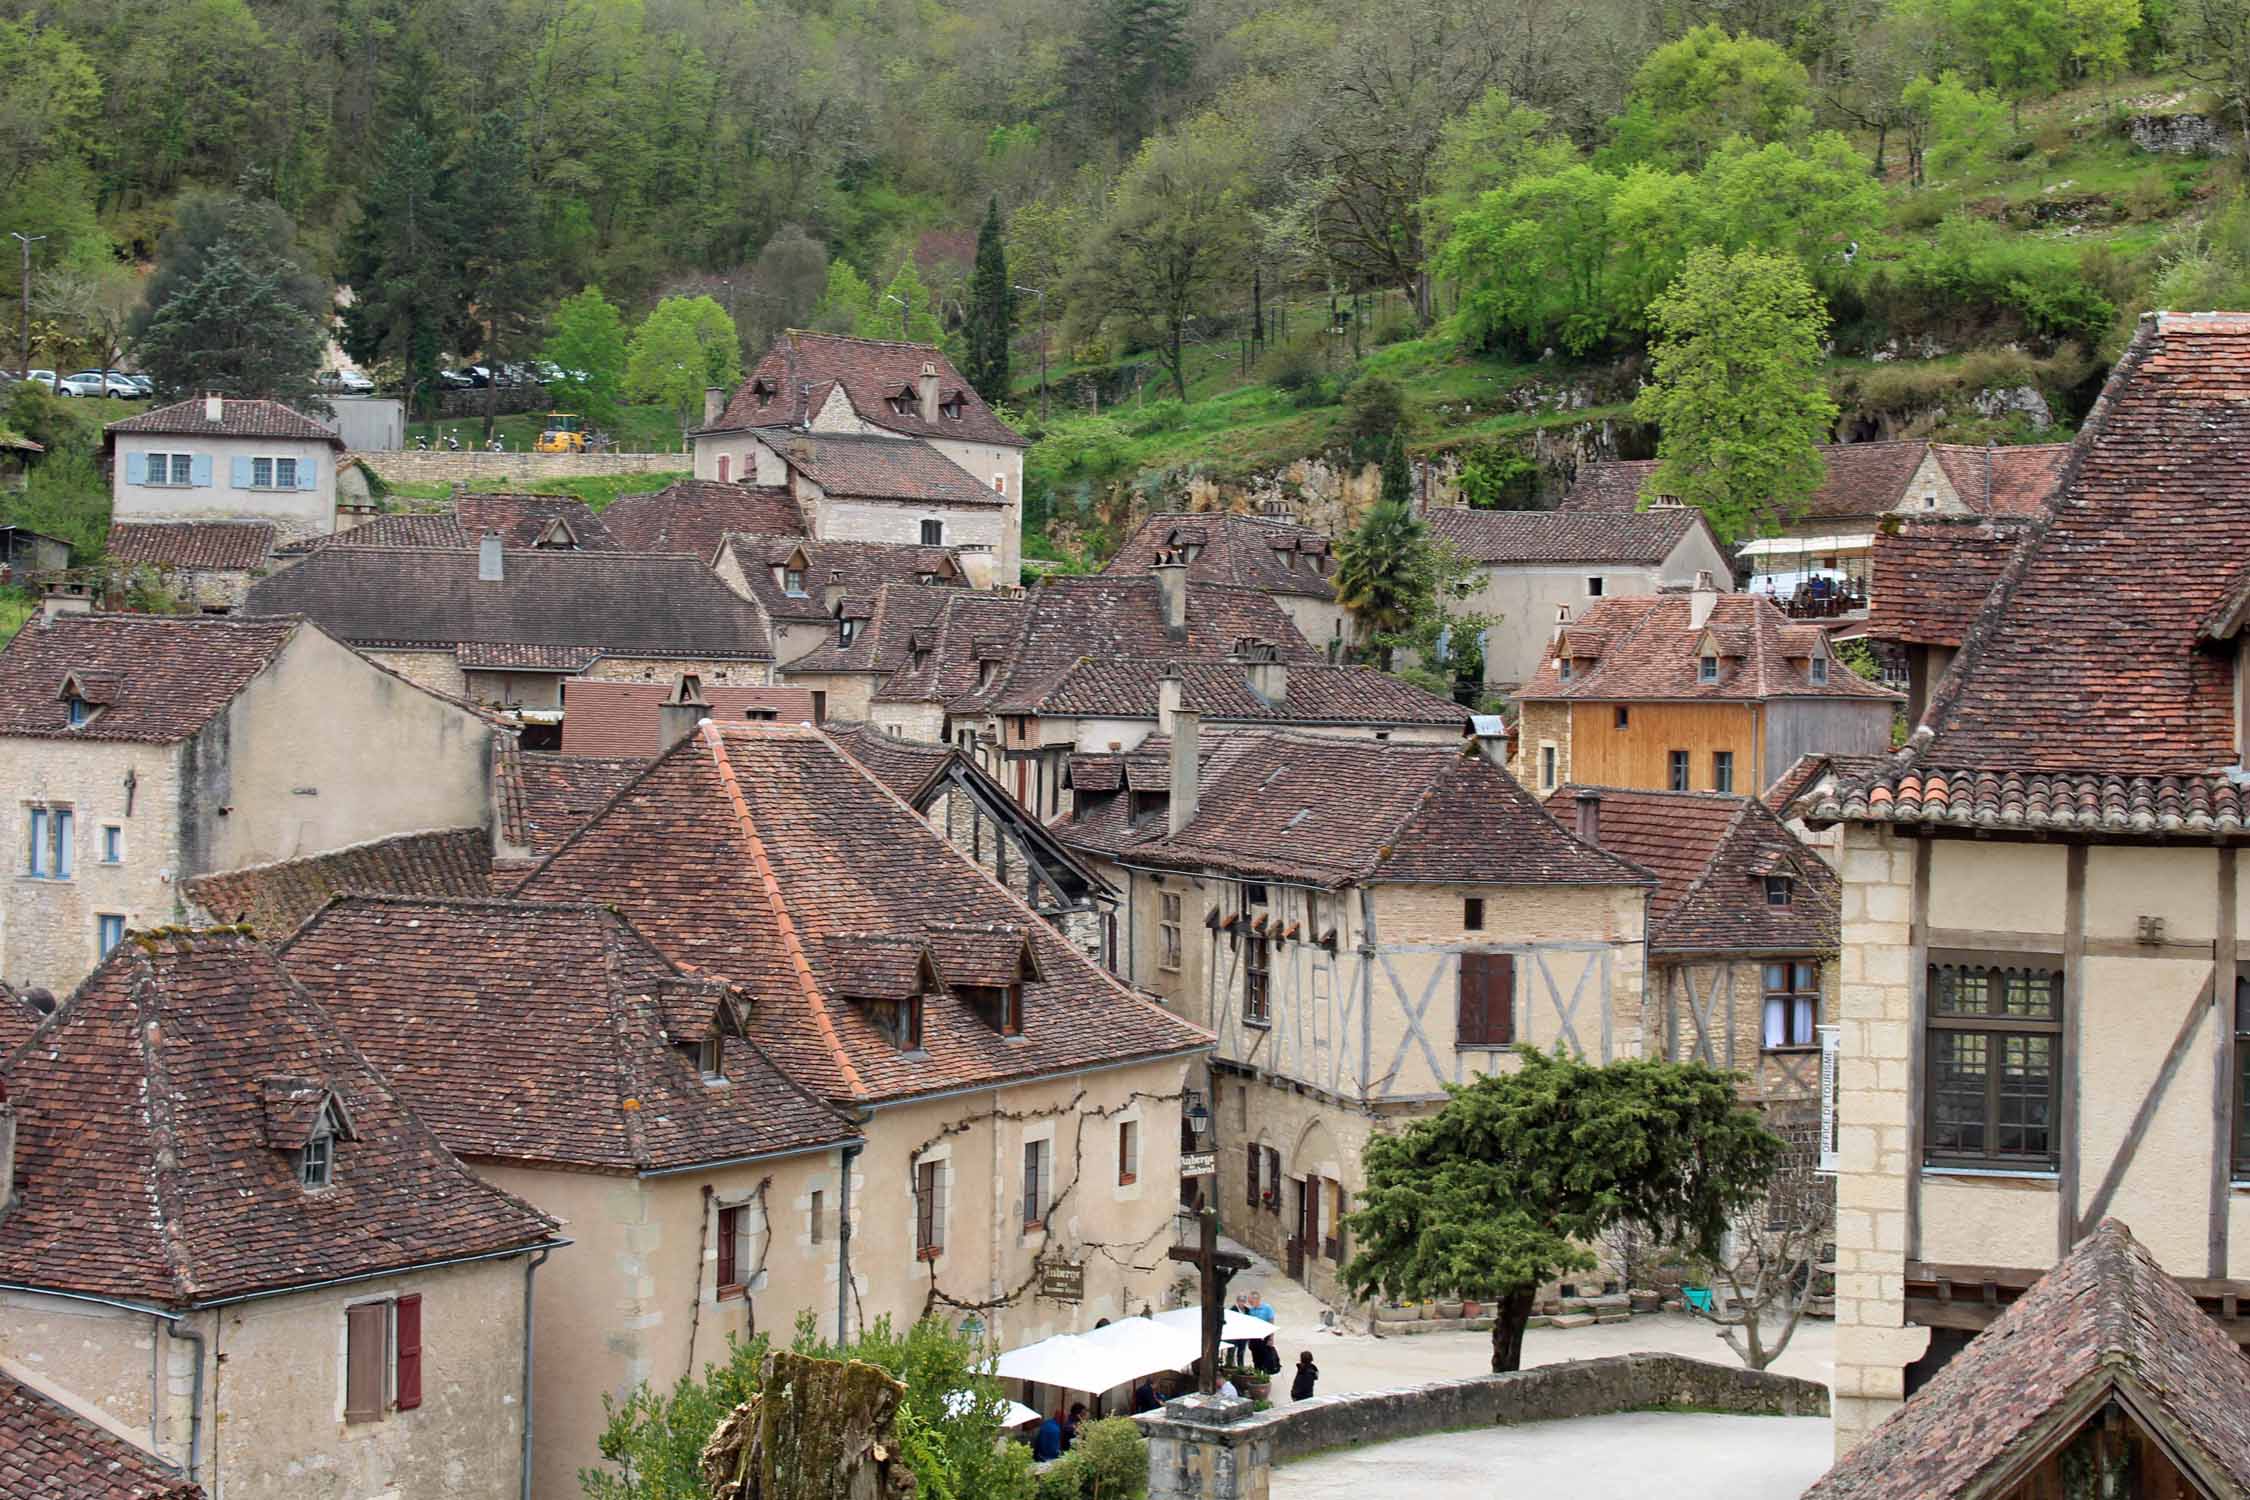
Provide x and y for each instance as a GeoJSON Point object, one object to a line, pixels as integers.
{"type": "Point", "coordinates": [1170, 907]}
{"type": "Point", "coordinates": [1707, 669]}
{"type": "Point", "coordinates": [316, 1159]}
{"type": "Point", "coordinates": [103, 946]}
{"type": "Point", "coordinates": [1820, 671]}
{"type": "Point", "coordinates": [273, 463]}
{"type": "Point", "coordinates": [51, 842]}
{"type": "Point", "coordinates": [179, 469]}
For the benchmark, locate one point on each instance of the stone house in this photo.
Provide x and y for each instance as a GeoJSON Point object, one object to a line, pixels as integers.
{"type": "Point", "coordinates": [1862, 484]}
{"type": "Point", "coordinates": [808, 589]}
{"type": "Point", "coordinates": [230, 1238]}
{"type": "Point", "coordinates": [1361, 924]}
{"type": "Point", "coordinates": [220, 458]}
{"type": "Point", "coordinates": [812, 384]}
{"type": "Point", "coordinates": [1690, 690]}
{"type": "Point", "coordinates": [1742, 935]}
{"type": "Point", "coordinates": [1018, 1105]}
{"type": "Point", "coordinates": [209, 565]}
{"type": "Point", "coordinates": [554, 522]}
{"type": "Point", "coordinates": [1273, 554]}
{"type": "Point", "coordinates": [138, 752]}
{"type": "Point", "coordinates": [2105, 1378]}
{"type": "Point", "coordinates": [978, 817]}
{"type": "Point", "coordinates": [1536, 566]}
{"type": "Point", "coordinates": [917, 646]}
{"type": "Point", "coordinates": [2042, 1001]}
{"type": "Point", "coordinates": [504, 628]}
{"type": "Point", "coordinates": [563, 1059]}
{"type": "Point", "coordinates": [642, 719]}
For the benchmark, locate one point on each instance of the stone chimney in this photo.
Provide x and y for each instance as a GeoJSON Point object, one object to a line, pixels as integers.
{"type": "Point", "coordinates": [1187, 747]}
{"type": "Point", "coordinates": [1263, 668]}
{"type": "Point", "coordinates": [681, 712]}
{"type": "Point", "coordinates": [832, 593]}
{"type": "Point", "coordinates": [1171, 592]}
{"type": "Point", "coordinates": [214, 408]}
{"type": "Point", "coordinates": [1701, 600]}
{"type": "Point", "coordinates": [1590, 817]}
{"type": "Point", "coordinates": [928, 388]}
{"type": "Point", "coordinates": [7, 1152]}
{"type": "Point", "coordinates": [714, 404]}
{"type": "Point", "coordinates": [1171, 694]}
{"type": "Point", "coordinates": [490, 569]}
{"type": "Point", "coordinates": [65, 599]}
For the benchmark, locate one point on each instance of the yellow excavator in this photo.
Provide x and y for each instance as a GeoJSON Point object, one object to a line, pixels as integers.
{"type": "Point", "coordinates": [563, 433]}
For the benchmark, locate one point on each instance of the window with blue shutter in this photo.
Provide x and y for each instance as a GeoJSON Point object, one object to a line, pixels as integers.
{"type": "Point", "coordinates": [202, 469]}
{"type": "Point", "coordinates": [308, 473]}
{"type": "Point", "coordinates": [240, 473]}
{"type": "Point", "coordinates": [111, 931]}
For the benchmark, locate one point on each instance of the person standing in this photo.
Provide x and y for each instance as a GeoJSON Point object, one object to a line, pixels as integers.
{"type": "Point", "coordinates": [1071, 1424]}
{"type": "Point", "coordinates": [1047, 1444]}
{"type": "Point", "coordinates": [1301, 1388]}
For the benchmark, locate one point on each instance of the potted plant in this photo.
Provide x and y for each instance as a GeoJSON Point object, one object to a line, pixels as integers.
{"type": "Point", "coordinates": [1448, 1309]}
{"type": "Point", "coordinates": [1646, 1299]}
{"type": "Point", "coordinates": [1250, 1382]}
{"type": "Point", "coordinates": [1471, 1308]}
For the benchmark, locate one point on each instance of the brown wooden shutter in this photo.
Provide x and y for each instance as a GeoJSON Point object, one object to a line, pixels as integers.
{"type": "Point", "coordinates": [1500, 998]}
{"type": "Point", "coordinates": [410, 1351]}
{"type": "Point", "coordinates": [366, 1329]}
{"type": "Point", "coordinates": [727, 1219]}
{"type": "Point", "coordinates": [925, 1206]}
{"type": "Point", "coordinates": [1470, 1026]}
{"type": "Point", "coordinates": [1253, 1193]}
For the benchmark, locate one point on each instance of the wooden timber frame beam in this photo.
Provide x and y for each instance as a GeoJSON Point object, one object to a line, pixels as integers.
{"type": "Point", "coordinates": [1974, 1297]}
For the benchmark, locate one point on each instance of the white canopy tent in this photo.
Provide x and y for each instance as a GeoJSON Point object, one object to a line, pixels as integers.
{"type": "Point", "coordinates": [1012, 1413]}
{"type": "Point", "coordinates": [1801, 546]}
{"type": "Point", "coordinates": [1120, 1353]}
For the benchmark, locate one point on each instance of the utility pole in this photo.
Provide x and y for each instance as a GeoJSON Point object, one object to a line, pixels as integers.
{"type": "Point", "coordinates": [1041, 293]}
{"type": "Point", "coordinates": [905, 312]}
{"type": "Point", "coordinates": [23, 309]}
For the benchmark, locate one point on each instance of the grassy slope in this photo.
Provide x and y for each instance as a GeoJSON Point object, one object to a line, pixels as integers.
{"type": "Point", "coordinates": [639, 429]}
{"type": "Point", "coordinates": [597, 491]}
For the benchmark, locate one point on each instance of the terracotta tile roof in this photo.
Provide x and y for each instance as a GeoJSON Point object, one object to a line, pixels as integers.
{"type": "Point", "coordinates": [274, 899]}
{"type": "Point", "coordinates": [1710, 853]}
{"type": "Point", "coordinates": [859, 568]}
{"type": "Point", "coordinates": [1641, 647]}
{"type": "Point", "coordinates": [235, 546]}
{"type": "Point", "coordinates": [158, 678]}
{"type": "Point", "coordinates": [1071, 620]}
{"type": "Point", "coordinates": [1107, 825]}
{"type": "Point", "coordinates": [403, 529]}
{"type": "Point", "coordinates": [2106, 1325]}
{"type": "Point", "coordinates": [533, 520]}
{"type": "Point", "coordinates": [885, 643]}
{"type": "Point", "coordinates": [906, 767]}
{"type": "Point", "coordinates": [143, 1167]}
{"type": "Point", "coordinates": [622, 719]}
{"type": "Point", "coordinates": [872, 372]}
{"type": "Point", "coordinates": [746, 847]}
{"type": "Point", "coordinates": [520, 1030]}
{"type": "Point", "coordinates": [1335, 812]}
{"type": "Point", "coordinates": [1865, 480]}
{"type": "Point", "coordinates": [1791, 783]}
{"type": "Point", "coordinates": [18, 1019]}
{"type": "Point", "coordinates": [1261, 552]}
{"type": "Point", "coordinates": [695, 515]}
{"type": "Point", "coordinates": [48, 1452]}
{"type": "Point", "coordinates": [238, 418]}
{"type": "Point", "coordinates": [545, 798]}
{"type": "Point", "coordinates": [2191, 805]}
{"type": "Point", "coordinates": [1537, 536]}
{"type": "Point", "coordinates": [866, 466]}
{"type": "Point", "coordinates": [965, 629]}
{"type": "Point", "coordinates": [481, 656]}
{"type": "Point", "coordinates": [1930, 578]}
{"type": "Point", "coordinates": [622, 604]}
{"type": "Point", "coordinates": [1996, 481]}
{"type": "Point", "coordinates": [1314, 693]}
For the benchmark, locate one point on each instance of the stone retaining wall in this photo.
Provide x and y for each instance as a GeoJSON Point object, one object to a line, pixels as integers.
{"type": "Point", "coordinates": [1195, 1455]}
{"type": "Point", "coordinates": [410, 467]}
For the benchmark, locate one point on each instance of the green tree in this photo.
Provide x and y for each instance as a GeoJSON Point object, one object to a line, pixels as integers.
{"type": "Point", "coordinates": [906, 310]}
{"type": "Point", "coordinates": [1129, 56]}
{"type": "Point", "coordinates": [236, 329]}
{"type": "Point", "coordinates": [992, 311]}
{"type": "Point", "coordinates": [406, 291]}
{"type": "Point", "coordinates": [1174, 233]}
{"type": "Point", "coordinates": [1397, 474]}
{"type": "Point", "coordinates": [685, 345]}
{"type": "Point", "coordinates": [587, 344]}
{"type": "Point", "coordinates": [1374, 413]}
{"type": "Point", "coordinates": [846, 302]}
{"type": "Point", "coordinates": [1503, 1188]}
{"type": "Point", "coordinates": [258, 231]}
{"type": "Point", "coordinates": [1737, 392]}
{"type": "Point", "coordinates": [1691, 95]}
{"type": "Point", "coordinates": [1950, 126]}
{"type": "Point", "coordinates": [948, 1423]}
{"type": "Point", "coordinates": [1404, 588]}
{"type": "Point", "coordinates": [495, 232]}
{"type": "Point", "coordinates": [2020, 46]}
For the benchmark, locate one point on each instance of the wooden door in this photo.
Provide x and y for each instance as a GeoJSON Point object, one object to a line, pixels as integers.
{"type": "Point", "coordinates": [1308, 1202]}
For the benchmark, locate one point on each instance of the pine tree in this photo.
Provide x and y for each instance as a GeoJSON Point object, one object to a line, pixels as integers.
{"type": "Point", "coordinates": [497, 248]}
{"type": "Point", "coordinates": [1398, 477]}
{"type": "Point", "coordinates": [992, 311]}
{"type": "Point", "coordinates": [397, 259]}
{"type": "Point", "coordinates": [235, 329]}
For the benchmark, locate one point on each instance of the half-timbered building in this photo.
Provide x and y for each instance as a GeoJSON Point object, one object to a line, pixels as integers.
{"type": "Point", "coordinates": [2043, 990]}
{"type": "Point", "coordinates": [1361, 923]}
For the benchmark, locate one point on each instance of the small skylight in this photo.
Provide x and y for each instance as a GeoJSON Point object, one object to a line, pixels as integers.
{"type": "Point", "coordinates": [1301, 814]}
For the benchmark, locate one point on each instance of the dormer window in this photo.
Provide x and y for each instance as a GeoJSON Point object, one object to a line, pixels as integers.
{"type": "Point", "coordinates": [900, 1021]}
{"type": "Point", "coordinates": [1562, 668]}
{"type": "Point", "coordinates": [80, 713]}
{"type": "Point", "coordinates": [1707, 669]}
{"type": "Point", "coordinates": [316, 1163]}
{"type": "Point", "coordinates": [986, 670]}
{"type": "Point", "coordinates": [1781, 890]}
{"type": "Point", "coordinates": [921, 659]}
{"type": "Point", "coordinates": [711, 1059]}
{"type": "Point", "coordinates": [1820, 671]}
{"type": "Point", "coordinates": [998, 1006]}
{"type": "Point", "coordinates": [846, 628]}
{"type": "Point", "coordinates": [1929, 500]}
{"type": "Point", "coordinates": [793, 582]}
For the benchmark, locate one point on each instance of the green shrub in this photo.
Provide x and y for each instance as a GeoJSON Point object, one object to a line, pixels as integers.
{"type": "Point", "coordinates": [1108, 1462]}
{"type": "Point", "coordinates": [1374, 408]}
{"type": "Point", "coordinates": [1291, 368]}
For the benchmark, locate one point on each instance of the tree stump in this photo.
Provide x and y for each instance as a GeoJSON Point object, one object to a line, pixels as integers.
{"type": "Point", "coordinates": [818, 1429]}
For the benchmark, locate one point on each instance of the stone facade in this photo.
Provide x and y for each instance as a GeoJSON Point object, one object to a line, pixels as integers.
{"type": "Point", "coordinates": [1541, 728]}
{"type": "Point", "coordinates": [1713, 1011]}
{"type": "Point", "coordinates": [441, 672]}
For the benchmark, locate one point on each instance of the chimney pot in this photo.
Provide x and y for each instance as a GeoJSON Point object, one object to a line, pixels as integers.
{"type": "Point", "coordinates": [678, 715]}
{"type": "Point", "coordinates": [1590, 816]}
{"type": "Point", "coordinates": [1187, 736]}
{"type": "Point", "coordinates": [65, 600]}
{"type": "Point", "coordinates": [490, 568]}
{"type": "Point", "coordinates": [1701, 601]}
{"type": "Point", "coordinates": [832, 593]}
{"type": "Point", "coordinates": [214, 408]}
{"type": "Point", "coordinates": [7, 1153]}
{"type": "Point", "coordinates": [927, 388]}
{"type": "Point", "coordinates": [1171, 591]}
{"type": "Point", "coordinates": [714, 404]}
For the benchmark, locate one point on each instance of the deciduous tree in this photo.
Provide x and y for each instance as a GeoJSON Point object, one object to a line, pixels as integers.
{"type": "Point", "coordinates": [1502, 1189]}
{"type": "Point", "coordinates": [1737, 393]}
{"type": "Point", "coordinates": [685, 345]}
{"type": "Point", "coordinates": [588, 345]}
{"type": "Point", "coordinates": [1693, 94]}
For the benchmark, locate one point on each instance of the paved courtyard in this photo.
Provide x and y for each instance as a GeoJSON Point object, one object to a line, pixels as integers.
{"type": "Point", "coordinates": [1619, 1457]}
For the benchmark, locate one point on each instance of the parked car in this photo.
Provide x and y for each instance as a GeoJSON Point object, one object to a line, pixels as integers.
{"type": "Point", "coordinates": [346, 382]}
{"type": "Point", "coordinates": [112, 384]}
{"type": "Point", "coordinates": [455, 380]}
{"type": "Point", "coordinates": [79, 385]}
{"type": "Point", "coordinates": [479, 376]}
{"type": "Point", "coordinates": [42, 377]}
{"type": "Point", "coordinates": [143, 384]}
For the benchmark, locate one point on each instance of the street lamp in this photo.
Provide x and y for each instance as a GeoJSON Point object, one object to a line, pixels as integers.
{"type": "Point", "coordinates": [1198, 1117]}
{"type": "Point", "coordinates": [23, 309]}
{"type": "Point", "coordinates": [905, 311]}
{"type": "Point", "coordinates": [1041, 293]}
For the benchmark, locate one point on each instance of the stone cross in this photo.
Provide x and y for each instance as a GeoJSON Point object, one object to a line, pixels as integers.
{"type": "Point", "coordinates": [1217, 1267]}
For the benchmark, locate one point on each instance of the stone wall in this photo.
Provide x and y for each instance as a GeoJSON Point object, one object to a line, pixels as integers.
{"type": "Point", "coordinates": [1542, 724]}
{"type": "Point", "coordinates": [1200, 1460]}
{"type": "Point", "coordinates": [514, 469]}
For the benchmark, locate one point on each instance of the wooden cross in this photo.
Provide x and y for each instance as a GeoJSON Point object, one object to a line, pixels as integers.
{"type": "Point", "coordinates": [1218, 1267]}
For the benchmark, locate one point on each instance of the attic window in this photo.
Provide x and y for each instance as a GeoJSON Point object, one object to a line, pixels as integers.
{"type": "Point", "coordinates": [316, 1160]}
{"type": "Point", "coordinates": [1707, 669]}
{"type": "Point", "coordinates": [952, 407]}
{"type": "Point", "coordinates": [1254, 893]}
{"type": "Point", "coordinates": [1781, 890]}
{"type": "Point", "coordinates": [985, 671]}
{"type": "Point", "coordinates": [999, 1006]}
{"type": "Point", "coordinates": [845, 629]}
{"type": "Point", "coordinates": [1819, 671]}
{"type": "Point", "coordinates": [900, 1021]}
{"type": "Point", "coordinates": [80, 712]}
{"type": "Point", "coordinates": [921, 658]}
{"type": "Point", "coordinates": [711, 1059]}
{"type": "Point", "coordinates": [1929, 501]}
{"type": "Point", "coordinates": [1562, 668]}
{"type": "Point", "coordinates": [793, 582]}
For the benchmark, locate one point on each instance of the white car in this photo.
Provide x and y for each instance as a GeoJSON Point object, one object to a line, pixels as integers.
{"type": "Point", "coordinates": [41, 377]}
{"type": "Point", "coordinates": [350, 382]}
{"type": "Point", "coordinates": [79, 385]}
{"type": "Point", "coordinates": [118, 385]}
